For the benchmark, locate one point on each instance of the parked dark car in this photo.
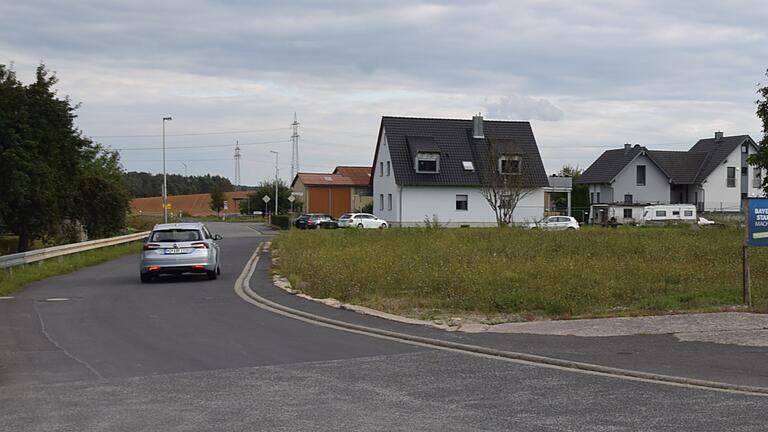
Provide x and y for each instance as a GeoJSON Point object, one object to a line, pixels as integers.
{"type": "Point", "coordinates": [315, 221]}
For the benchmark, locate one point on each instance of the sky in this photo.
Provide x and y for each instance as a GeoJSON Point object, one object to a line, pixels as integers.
{"type": "Point", "coordinates": [588, 75]}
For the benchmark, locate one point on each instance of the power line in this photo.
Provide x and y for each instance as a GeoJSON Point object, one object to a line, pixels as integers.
{"type": "Point", "coordinates": [203, 146]}
{"type": "Point", "coordinates": [193, 133]}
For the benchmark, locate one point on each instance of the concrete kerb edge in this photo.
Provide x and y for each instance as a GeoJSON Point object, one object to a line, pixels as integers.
{"type": "Point", "coordinates": [243, 284]}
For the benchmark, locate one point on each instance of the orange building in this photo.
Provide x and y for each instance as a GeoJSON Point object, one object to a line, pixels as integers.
{"type": "Point", "coordinates": [193, 205]}
{"type": "Point", "coordinates": [344, 190]}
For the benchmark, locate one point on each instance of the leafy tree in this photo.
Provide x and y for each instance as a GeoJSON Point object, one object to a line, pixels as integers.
{"type": "Point", "coordinates": [760, 159]}
{"type": "Point", "coordinates": [49, 171]}
{"type": "Point", "coordinates": [143, 184]}
{"type": "Point", "coordinates": [103, 197]}
{"type": "Point", "coordinates": [580, 192]}
{"type": "Point", "coordinates": [217, 199]}
{"type": "Point", "coordinates": [255, 203]}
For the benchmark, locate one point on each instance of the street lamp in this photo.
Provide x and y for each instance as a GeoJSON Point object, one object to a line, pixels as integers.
{"type": "Point", "coordinates": [165, 179]}
{"type": "Point", "coordinates": [276, 170]}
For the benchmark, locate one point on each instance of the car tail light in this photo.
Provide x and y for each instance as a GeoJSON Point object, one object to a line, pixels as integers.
{"type": "Point", "coordinates": [198, 266]}
{"type": "Point", "coordinates": [200, 245]}
{"type": "Point", "coordinates": [153, 268]}
{"type": "Point", "coordinates": [151, 246]}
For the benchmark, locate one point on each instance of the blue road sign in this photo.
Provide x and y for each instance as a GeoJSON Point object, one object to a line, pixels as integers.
{"type": "Point", "coordinates": [757, 222]}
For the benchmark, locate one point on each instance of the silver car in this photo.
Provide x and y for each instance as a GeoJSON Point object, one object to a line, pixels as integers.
{"type": "Point", "coordinates": [180, 248]}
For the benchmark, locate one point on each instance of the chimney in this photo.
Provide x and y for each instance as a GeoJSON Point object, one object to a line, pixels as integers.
{"type": "Point", "coordinates": [477, 126]}
{"type": "Point", "coordinates": [627, 147]}
{"type": "Point", "coordinates": [719, 136]}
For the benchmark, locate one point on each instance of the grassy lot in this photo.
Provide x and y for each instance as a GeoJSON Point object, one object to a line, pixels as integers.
{"type": "Point", "coordinates": [12, 279]}
{"type": "Point", "coordinates": [592, 272]}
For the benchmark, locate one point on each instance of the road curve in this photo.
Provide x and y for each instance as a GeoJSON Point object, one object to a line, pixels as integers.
{"type": "Point", "coordinates": [189, 354]}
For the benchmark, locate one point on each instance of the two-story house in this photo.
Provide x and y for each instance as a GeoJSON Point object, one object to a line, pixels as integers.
{"type": "Point", "coordinates": [425, 168]}
{"type": "Point", "coordinates": [713, 175]}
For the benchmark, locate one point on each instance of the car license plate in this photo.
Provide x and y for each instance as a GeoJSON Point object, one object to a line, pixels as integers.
{"type": "Point", "coordinates": [173, 251]}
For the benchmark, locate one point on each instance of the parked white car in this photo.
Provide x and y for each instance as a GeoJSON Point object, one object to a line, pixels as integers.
{"type": "Point", "coordinates": [557, 223]}
{"type": "Point", "coordinates": [361, 220]}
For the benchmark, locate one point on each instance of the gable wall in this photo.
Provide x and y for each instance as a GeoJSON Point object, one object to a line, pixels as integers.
{"type": "Point", "coordinates": [384, 185]}
{"type": "Point", "coordinates": [656, 187]}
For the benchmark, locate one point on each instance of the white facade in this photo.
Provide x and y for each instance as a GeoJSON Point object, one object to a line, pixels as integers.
{"type": "Point", "coordinates": [655, 189]}
{"type": "Point", "coordinates": [412, 205]}
{"type": "Point", "coordinates": [384, 185]}
{"type": "Point", "coordinates": [717, 195]}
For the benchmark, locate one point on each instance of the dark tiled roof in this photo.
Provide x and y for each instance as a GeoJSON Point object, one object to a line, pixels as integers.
{"type": "Point", "coordinates": [718, 151]}
{"type": "Point", "coordinates": [681, 167]}
{"type": "Point", "coordinates": [608, 165]}
{"type": "Point", "coordinates": [453, 139]}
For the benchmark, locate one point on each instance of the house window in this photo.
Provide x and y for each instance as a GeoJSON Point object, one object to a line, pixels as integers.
{"type": "Point", "coordinates": [381, 201]}
{"type": "Point", "coordinates": [744, 148]}
{"type": "Point", "coordinates": [428, 162]}
{"type": "Point", "coordinates": [641, 175]}
{"type": "Point", "coordinates": [757, 180]}
{"type": "Point", "coordinates": [675, 212]}
{"type": "Point", "coordinates": [381, 169]}
{"type": "Point", "coordinates": [509, 164]}
{"type": "Point", "coordinates": [627, 213]}
{"type": "Point", "coordinates": [468, 165]}
{"type": "Point", "coordinates": [731, 180]}
{"type": "Point", "coordinates": [462, 202]}
{"type": "Point", "coordinates": [598, 197]}
{"type": "Point", "coordinates": [389, 202]}
{"type": "Point", "coordinates": [688, 212]}
{"type": "Point", "coordinates": [661, 213]}
{"type": "Point", "coordinates": [628, 199]}
{"type": "Point", "coordinates": [591, 197]}
{"type": "Point", "coordinates": [388, 168]}
{"type": "Point", "coordinates": [743, 170]}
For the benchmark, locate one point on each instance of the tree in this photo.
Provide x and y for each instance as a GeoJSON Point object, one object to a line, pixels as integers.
{"type": "Point", "coordinates": [760, 159]}
{"type": "Point", "coordinates": [49, 171]}
{"type": "Point", "coordinates": [255, 203]}
{"type": "Point", "coordinates": [103, 197]}
{"type": "Point", "coordinates": [579, 193]}
{"type": "Point", "coordinates": [217, 199]}
{"type": "Point", "coordinates": [503, 178]}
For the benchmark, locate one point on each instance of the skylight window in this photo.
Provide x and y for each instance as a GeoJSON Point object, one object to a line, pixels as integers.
{"type": "Point", "coordinates": [468, 165]}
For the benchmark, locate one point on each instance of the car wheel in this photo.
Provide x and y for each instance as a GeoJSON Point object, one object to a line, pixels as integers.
{"type": "Point", "coordinates": [571, 228]}
{"type": "Point", "coordinates": [218, 270]}
{"type": "Point", "coordinates": [382, 226]}
{"type": "Point", "coordinates": [145, 278]}
{"type": "Point", "coordinates": [211, 275]}
{"type": "Point", "coordinates": [360, 225]}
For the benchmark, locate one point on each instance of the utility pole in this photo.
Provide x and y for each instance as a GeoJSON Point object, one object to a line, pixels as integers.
{"type": "Point", "coordinates": [165, 179]}
{"type": "Point", "coordinates": [237, 165]}
{"type": "Point", "coordinates": [276, 173]}
{"type": "Point", "coordinates": [294, 147]}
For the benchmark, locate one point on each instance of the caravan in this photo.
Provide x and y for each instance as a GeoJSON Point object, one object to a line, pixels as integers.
{"type": "Point", "coordinates": [669, 213]}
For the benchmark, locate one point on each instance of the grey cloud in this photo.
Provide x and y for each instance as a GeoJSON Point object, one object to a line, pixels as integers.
{"type": "Point", "coordinates": [517, 107]}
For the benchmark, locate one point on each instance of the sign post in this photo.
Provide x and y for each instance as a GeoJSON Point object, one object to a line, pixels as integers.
{"type": "Point", "coordinates": [756, 219]}
{"type": "Point", "coordinates": [266, 200]}
{"type": "Point", "coordinates": [291, 199]}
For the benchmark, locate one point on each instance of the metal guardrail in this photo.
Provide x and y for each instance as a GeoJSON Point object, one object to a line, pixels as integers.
{"type": "Point", "coordinates": [22, 258]}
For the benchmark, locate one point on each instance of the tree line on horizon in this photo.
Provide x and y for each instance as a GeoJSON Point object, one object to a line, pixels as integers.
{"type": "Point", "coordinates": [144, 184]}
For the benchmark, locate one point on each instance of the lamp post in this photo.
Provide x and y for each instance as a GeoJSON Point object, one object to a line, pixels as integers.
{"type": "Point", "coordinates": [165, 179]}
{"type": "Point", "coordinates": [276, 171]}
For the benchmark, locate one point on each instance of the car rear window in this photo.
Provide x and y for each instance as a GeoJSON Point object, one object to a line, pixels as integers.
{"type": "Point", "coordinates": [175, 235]}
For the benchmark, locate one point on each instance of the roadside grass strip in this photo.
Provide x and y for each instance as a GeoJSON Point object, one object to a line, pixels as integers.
{"type": "Point", "coordinates": [592, 272]}
{"type": "Point", "coordinates": [13, 278]}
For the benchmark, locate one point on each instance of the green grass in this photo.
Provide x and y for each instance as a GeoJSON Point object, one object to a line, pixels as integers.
{"type": "Point", "coordinates": [591, 272]}
{"type": "Point", "coordinates": [12, 279]}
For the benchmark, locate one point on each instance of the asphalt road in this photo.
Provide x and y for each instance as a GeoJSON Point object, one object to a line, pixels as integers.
{"type": "Point", "coordinates": [188, 354]}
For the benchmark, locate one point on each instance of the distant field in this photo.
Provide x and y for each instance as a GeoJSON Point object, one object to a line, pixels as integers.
{"type": "Point", "coordinates": [592, 272]}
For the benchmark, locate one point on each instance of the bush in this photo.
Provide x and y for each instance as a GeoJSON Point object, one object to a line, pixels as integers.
{"type": "Point", "coordinates": [281, 221]}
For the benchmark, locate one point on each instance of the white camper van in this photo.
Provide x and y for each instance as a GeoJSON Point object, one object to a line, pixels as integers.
{"type": "Point", "coordinates": [668, 213]}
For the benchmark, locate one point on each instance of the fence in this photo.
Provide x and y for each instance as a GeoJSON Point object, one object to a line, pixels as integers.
{"type": "Point", "coordinates": [22, 258]}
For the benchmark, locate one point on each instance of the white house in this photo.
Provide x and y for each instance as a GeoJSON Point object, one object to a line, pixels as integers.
{"type": "Point", "coordinates": [427, 168]}
{"type": "Point", "coordinates": [713, 175]}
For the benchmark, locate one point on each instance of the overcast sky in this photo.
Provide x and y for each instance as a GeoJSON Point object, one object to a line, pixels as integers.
{"type": "Point", "coordinates": [588, 75]}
